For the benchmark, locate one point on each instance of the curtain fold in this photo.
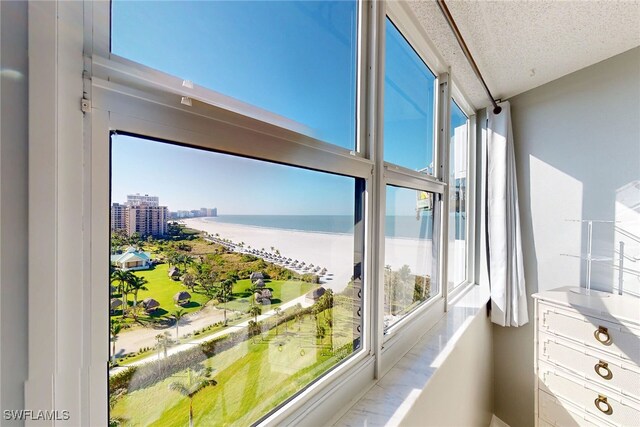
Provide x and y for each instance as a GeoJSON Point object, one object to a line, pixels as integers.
{"type": "Point", "coordinates": [504, 246]}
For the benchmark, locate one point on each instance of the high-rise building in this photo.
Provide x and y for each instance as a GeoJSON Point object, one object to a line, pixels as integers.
{"type": "Point", "coordinates": [147, 220]}
{"type": "Point", "coordinates": [137, 200]}
{"type": "Point", "coordinates": [140, 214]}
{"type": "Point", "coordinates": [118, 217]}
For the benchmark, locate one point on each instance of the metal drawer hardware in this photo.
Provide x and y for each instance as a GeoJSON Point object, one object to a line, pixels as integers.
{"type": "Point", "coordinates": [602, 369]}
{"type": "Point", "coordinates": [602, 335]}
{"type": "Point", "coordinates": [602, 405]}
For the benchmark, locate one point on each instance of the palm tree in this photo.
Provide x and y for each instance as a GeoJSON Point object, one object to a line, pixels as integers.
{"type": "Point", "coordinates": [278, 312]}
{"type": "Point", "coordinates": [177, 316]}
{"type": "Point", "coordinates": [225, 292]}
{"type": "Point", "coordinates": [123, 278]}
{"type": "Point", "coordinates": [185, 260]}
{"type": "Point", "coordinates": [189, 281]}
{"type": "Point", "coordinates": [172, 258]}
{"type": "Point", "coordinates": [115, 329]}
{"type": "Point", "coordinates": [136, 284]}
{"type": "Point", "coordinates": [163, 341]}
{"type": "Point", "coordinates": [298, 312]}
{"type": "Point", "coordinates": [255, 311]}
{"type": "Point", "coordinates": [193, 385]}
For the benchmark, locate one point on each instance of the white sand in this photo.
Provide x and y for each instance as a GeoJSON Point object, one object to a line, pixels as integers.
{"type": "Point", "coordinates": [331, 251]}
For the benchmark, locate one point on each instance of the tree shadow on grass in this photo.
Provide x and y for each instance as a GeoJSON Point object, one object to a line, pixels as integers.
{"type": "Point", "coordinates": [158, 312]}
{"type": "Point", "coordinates": [190, 304]}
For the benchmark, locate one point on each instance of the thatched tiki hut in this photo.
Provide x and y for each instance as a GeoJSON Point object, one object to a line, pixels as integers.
{"type": "Point", "coordinates": [115, 304]}
{"type": "Point", "coordinates": [257, 297]}
{"type": "Point", "coordinates": [255, 276]}
{"type": "Point", "coordinates": [266, 296]}
{"type": "Point", "coordinates": [182, 298]}
{"type": "Point", "coordinates": [315, 294]}
{"type": "Point", "coordinates": [150, 305]}
{"type": "Point", "coordinates": [174, 273]}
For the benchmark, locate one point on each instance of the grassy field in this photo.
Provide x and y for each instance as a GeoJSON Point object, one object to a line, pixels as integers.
{"type": "Point", "coordinates": [252, 377]}
{"type": "Point", "coordinates": [282, 290]}
{"type": "Point", "coordinates": [162, 289]}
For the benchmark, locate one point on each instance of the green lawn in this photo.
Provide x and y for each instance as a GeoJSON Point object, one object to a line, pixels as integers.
{"type": "Point", "coordinates": [162, 289]}
{"type": "Point", "coordinates": [282, 290]}
{"type": "Point", "coordinates": [252, 378]}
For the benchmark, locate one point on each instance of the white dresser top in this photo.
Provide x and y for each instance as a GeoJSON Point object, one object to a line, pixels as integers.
{"type": "Point", "coordinates": [623, 307]}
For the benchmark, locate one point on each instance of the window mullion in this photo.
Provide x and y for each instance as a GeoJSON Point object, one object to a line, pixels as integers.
{"type": "Point", "coordinates": [443, 112]}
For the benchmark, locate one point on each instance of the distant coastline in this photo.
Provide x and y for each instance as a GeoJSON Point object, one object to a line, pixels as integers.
{"type": "Point", "coordinates": [396, 226]}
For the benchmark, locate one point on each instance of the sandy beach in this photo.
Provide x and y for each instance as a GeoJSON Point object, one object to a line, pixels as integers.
{"type": "Point", "coordinates": [331, 251]}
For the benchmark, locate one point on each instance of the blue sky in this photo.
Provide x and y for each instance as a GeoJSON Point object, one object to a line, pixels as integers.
{"type": "Point", "coordinates": [297, 59]}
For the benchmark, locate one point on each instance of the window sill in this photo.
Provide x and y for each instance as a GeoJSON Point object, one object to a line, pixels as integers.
{"type": "Point", "coordinates": [392, 397]}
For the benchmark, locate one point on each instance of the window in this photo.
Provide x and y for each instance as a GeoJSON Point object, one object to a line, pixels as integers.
{"type": "Point", "coordinates": [458, 196]}
{"type": "Point", "coordinates": [409, 276]}
{"type": "Point", "coordinates": [408, 105]}
{"type": "Point", "coordinates": [236, 306]}
{"type": "Point", "coordinates": [408, 253]}
{"type": "Point", "coordinates": [293, 58]}
{"type": "Point", "coordinates": [313, 63]}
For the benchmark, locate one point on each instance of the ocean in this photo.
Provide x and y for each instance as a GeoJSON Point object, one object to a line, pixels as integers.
{"type": "Point", "coordinates": [395, 226]}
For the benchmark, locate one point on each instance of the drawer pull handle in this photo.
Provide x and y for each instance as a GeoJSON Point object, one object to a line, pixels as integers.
{"type": "Point", "coordinates": [602, 405]}
{"type": "Point", "coordinates": [602, 369]}
{"type": "Point", "coordinates": [602, 335]}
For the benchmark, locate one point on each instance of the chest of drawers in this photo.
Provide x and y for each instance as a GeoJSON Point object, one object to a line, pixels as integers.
{"type": "Point", "coordinates": [587, 359]}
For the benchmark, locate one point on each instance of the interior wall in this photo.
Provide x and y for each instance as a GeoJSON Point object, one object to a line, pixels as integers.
{"type": "Point", "coordinates": [13, 205]}
{"type": "Point", "coordinates": [459, 393]}
{"type": "Point", "coordinates": [577, 146]}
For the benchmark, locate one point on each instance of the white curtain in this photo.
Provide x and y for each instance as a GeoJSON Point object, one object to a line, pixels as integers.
{"type": "Point", "coordinates": [506, 274]}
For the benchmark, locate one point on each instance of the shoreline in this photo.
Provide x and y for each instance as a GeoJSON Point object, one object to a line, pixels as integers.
{"type": "Point", "coordinates": [327, 250]}
{"type": "Point", "coordinates": [333, 251]}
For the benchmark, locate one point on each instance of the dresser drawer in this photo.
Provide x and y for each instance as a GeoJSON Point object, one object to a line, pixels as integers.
{"type": "Point", "coordinates": [607, 406]}
{"type": "Point", "coordinates": [594, 365]}
{"type": "Point", "coordinates": [608, 337]}
{"type": "Point", "coordinates": [555, 412]}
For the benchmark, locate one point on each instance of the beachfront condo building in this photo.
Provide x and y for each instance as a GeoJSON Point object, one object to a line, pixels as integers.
{"type": "Point", "coordinates": [141, 215]}
{"type": "Point", "coordinates": [461, 177]}
{"type": "Point", "coordinates": [138, 199]}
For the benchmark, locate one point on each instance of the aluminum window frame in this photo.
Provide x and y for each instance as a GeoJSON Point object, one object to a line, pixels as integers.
{"type": "Point", "coordinates": [137, 99]}
{"type": "Point", "coordinates": [470, 202]}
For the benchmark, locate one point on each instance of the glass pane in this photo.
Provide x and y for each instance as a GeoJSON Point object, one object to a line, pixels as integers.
{"type": "Point", "coordinates": [294, 58]}
{"type": "Point", "coordinates": [458, 150]}
{"type": "Point", "coordinates": [237, 281]}
{"type": "Point", "coordinates": [408, 105]}
{"type": "Point", "coordinates": [408, 252]}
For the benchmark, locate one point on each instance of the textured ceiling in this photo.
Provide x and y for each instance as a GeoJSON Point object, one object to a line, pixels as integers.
{"type": "Point", "coordinates": [519, 45]}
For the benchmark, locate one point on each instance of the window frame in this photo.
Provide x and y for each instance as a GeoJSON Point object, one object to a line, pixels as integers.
{"type": "Point", "coordinates": [470, 201]}
{"type": "Point", "coordinates": [69, 62]}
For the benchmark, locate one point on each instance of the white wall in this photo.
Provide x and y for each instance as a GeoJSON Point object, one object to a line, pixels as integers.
{"type": "Point", "coordinates": [13, 205]}
{"type": "Point", "coordinates": [577, 144]}
{"type": "Point", "coordinates": [460, 391]}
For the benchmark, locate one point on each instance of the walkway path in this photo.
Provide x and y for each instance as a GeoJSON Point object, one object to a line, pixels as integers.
{"type": "Point", "coordinates": [133, 340]}
{"type": "Point", "coordinates": [194, 342]}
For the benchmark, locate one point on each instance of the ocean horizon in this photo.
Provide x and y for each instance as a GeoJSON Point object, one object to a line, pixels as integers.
{"type": "Point", "coordinates": [405, 226]}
